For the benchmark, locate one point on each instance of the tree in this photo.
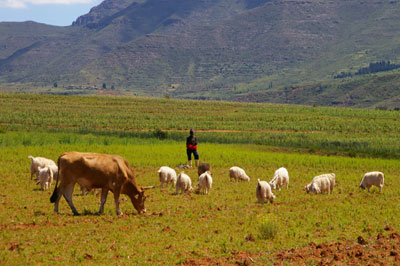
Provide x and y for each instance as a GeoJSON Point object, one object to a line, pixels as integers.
{"type": "Point", "coordinates": [104, 86]}
{"type": "Point", "coordinates": [55, 85]}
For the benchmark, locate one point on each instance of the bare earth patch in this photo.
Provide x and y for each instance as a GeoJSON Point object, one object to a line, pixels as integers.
{"type": "Point", "coordinates": [384, 250]}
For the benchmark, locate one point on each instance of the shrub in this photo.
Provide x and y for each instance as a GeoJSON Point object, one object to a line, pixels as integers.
{"type": "Point", "coordinates": [158, 133]}
{"type": "Point", "coordinates": [268, 229]}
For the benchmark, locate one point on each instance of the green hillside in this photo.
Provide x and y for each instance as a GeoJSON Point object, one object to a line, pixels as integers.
{"type": "Point", "coordinates": [226, 49]}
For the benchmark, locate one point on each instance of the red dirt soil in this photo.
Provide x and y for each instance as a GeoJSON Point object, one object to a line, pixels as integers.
{"type": "Point", "coordinates": [384, 250]}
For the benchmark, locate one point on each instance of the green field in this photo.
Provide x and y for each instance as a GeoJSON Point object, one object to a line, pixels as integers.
{"type": "Point", "coordinates": [150, 133]}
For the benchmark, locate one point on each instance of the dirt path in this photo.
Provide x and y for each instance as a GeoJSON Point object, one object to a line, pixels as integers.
{"type": "Point", "coordinates": [382, 250]}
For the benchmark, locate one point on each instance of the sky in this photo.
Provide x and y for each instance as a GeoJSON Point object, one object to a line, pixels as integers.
{"type": "Point", "coordinates": [52, 12]}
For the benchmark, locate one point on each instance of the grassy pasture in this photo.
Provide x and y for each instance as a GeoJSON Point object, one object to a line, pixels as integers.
{"type": "Point", "coordinates": [189, 226]}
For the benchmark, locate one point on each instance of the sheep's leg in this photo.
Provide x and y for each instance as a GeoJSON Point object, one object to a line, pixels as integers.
{"type": "Point", "coordinates": [104, 193]}
{"type": "Point", "coordinates": [69, 189]}
{"type": "Point", "coordinates": [380, 188]}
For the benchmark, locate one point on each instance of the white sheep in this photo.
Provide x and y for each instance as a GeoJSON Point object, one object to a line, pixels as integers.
{"type": "Point", "coordinates": [205, 182]}
{"type": "Point", "coordinates": [238, 173]}
{"type": "Point", "coordinates": [42, 162]}
{"type": "Point", "coordinates": [331, 177]}
{"type": "Point", "coordinates": [281, 177]}
{"type": "Point", "coordinates": [45, 177]}
{"type": "Point", "coordinates": [167, 175]}
{"type": "Point", "coordinates": [264, 192]}
{"type": "Point", "coordinates": [321, 183]}
{"type": "Point", "coordinates": [372, 179]}
{"type": "Point", "coordinates": [183, 183]}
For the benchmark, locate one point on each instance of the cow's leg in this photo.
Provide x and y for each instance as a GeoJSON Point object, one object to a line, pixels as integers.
{"type": "Point", "coordinates": [60, 192]}
{"type": "Point", "coordinates": [69, 189]}
{"type": "Point", "coordinates": [104, 193]}
{"type": "Point", "coordinates": [116, 199]}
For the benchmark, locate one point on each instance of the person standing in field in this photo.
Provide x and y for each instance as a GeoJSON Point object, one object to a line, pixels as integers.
{"type": "Point", "coordinates": [191, 147]}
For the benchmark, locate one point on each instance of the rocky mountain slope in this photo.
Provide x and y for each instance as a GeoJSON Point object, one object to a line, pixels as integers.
{"type": "Point", "coordinates": [249, 50]}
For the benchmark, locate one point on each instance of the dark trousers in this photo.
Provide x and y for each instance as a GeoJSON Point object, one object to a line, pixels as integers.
{"type": "Point", "coordinates": [189, 154]}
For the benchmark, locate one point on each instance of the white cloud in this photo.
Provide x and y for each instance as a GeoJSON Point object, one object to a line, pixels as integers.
{"type": "Point", "coordinates": [13, 3]}
{"type": "Point", "coordinates": [25, 3]}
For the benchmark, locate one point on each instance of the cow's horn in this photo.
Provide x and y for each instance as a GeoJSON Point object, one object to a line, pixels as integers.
{"type": "Point", "coordinates": [146, 188]}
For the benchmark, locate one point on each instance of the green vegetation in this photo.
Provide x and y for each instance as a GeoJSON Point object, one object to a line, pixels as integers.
{"type": "Point", "coordinates": [359, 133]}
{"type": "Point", "coordinates": [150, 133]}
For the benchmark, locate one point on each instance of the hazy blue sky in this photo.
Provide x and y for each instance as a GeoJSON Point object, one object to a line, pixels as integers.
{"type": "Point", "coordinates": [53, 12]}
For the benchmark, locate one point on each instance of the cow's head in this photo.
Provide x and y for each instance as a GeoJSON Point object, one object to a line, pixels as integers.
{"type": "Point", "coordinates": [138, 202]}
{"type": "Point", "coordinates": [136, 195]}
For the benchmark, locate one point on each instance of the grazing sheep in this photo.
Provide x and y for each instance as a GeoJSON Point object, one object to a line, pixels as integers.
{"type": "Point", "coordinates": [331, 177]}
{"type": "Point", "coordinates": [321, 183]}
{"type": "Point", "coordinates": [205, 182]}
{"type": "Point", "coordinates": [281, 177]}
{"type": "Point", "coordinates": [264, 192]}
{"type": "Point", "coordinates": [203, 167]}
{"type": "Point", "coordinates": [372, 179]}
{"type": "Point", "coordinates": [167, 175]}
{"type": "Point", "coordinates": [45, 177]}
{"type": "Point", "coordinates": [238, 173]}
{"type": "Point", "coordinates": [42, 162]}
{"type": "Point", "coordinates": [183, 183]}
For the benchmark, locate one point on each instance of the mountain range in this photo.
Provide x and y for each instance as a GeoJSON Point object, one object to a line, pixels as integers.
{"type": "Point", "coordinates": [284, 51]}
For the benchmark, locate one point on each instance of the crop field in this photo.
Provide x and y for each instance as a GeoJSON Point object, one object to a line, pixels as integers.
{"type": "Point", "coordinates": [227, 226]}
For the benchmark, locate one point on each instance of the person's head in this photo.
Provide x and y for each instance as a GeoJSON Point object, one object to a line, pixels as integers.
{"type": "Point", "coordinates": [191, 132]}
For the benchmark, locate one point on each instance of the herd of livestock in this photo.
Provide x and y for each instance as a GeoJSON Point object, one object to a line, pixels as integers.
{"type": "Point", "coordinates": [113, 173]}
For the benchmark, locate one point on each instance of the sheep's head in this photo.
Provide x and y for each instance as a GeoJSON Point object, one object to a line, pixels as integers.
{"type": "Point", "coordinates": [272, 198]}
{"type": "Point", "coordinates": [362, 187]}
{"type": "Point", "coordinates": [273, 186]}
{"type": "Point", "coordinates": [308, 188]}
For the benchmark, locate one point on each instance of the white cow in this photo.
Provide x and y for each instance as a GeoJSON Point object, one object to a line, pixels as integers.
{"type": "Point", "coordinates": [183, 183]}
{"type": "Point", "coordinates": [264, 192]}
{"type": "Point", "coordinates": [42, 162]}
{"type": "Point", "coordinates": [205, 182]}
{"type": "Point", "coordinates": [372, 179]}
{"type": "Point", "coordinates": [167, 175]}
{"type": "Point", "coordinates": [45, 177]}
{"type": "Point", "coordinates": [281, 177]}
{"type": "Point", "coordinates": [238, 173]}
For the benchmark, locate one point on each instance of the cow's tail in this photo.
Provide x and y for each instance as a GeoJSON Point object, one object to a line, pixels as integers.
{"type": "Point", "coordinates": [55, 192]}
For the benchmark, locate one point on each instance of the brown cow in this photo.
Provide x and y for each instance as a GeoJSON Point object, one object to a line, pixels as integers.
{"type": "Point", "coordinates": [92, 170]}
